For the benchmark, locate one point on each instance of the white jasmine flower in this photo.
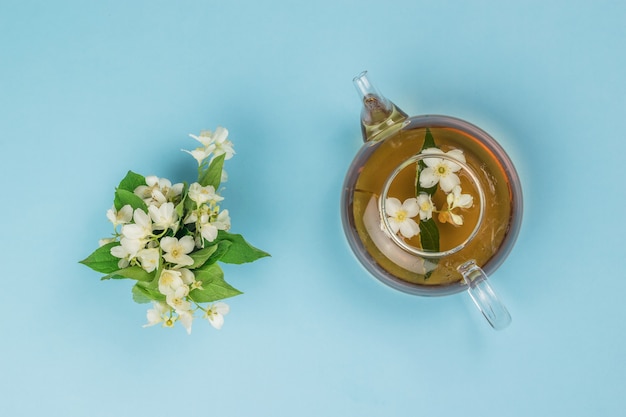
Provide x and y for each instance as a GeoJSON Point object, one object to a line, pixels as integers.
{"type": "Point", "coordinates": [187, 276]}
{"type": "Point", "coordinates": [450, 217]}
{"type": "Point", "coordinates": [176, 250]}
{"type": "Point", "coordinates": [202, 195]}
{"type": "Point", "coordinates": [157, 314]}
{"type": "Point", "coordinates": [123, 216]}
{"type": "Point", "coordinates": [440, 170]}
{"type": "Point", "coordinates": [205, 138]}
{"type": "Point", "coordinates": [200, 154]}
{"type": "Point", "coordinates": [426, 206]}
{"type": "Point", "coordinates": [170, 281]}
{"type": "Point", "coordinates": [151, 192]}
{"type": "Point", "coordinates": [215, 314]}
{"type": "Point", "coordinates": [222, 144]}
{"type": "Point", "coordinates": [174, 192]}
{"type": "Point", "coordinates": [126, 251]}
{"type": "Point", "coordinates": [192, 217]}
{"type": "Point", "coordinates": [177, 303]}
{"type": "Point", "coordinates": [212, 143]}
{"type": "Point", "coordinates": [149, 259]}
{"type": "Point", "coordinates": [207, 148]}
{"type": "Point", "coordinates": [189, 279]}
{"type": "Point", "coordinates": [158, 191]}
{"type": "Point", "coordinates": [163, 217]}
{"type": "Point", "coordinates": [222, 222]}
{"type": "Point", "coordinates": [400, 216]}
{"type": "Point", "coordinates": [208, 229]}
{"type": "Point", "coordinates": [186, 318]}
{"type": "Point", "coordinates": [141, 228]}
{"type": "Point", "coordinates": [456, 199]}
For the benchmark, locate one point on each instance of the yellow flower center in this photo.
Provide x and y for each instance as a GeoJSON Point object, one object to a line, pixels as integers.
{"type": "Point", "coordinates": [167, 278]}
{"type": "Point", "coordinates": [442, 170]}
{"type": "Point", "coordinates": [401, 216]}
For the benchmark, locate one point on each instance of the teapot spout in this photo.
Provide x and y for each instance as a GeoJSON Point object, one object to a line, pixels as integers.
{"type": "Point", "coordinates": [378, 114]}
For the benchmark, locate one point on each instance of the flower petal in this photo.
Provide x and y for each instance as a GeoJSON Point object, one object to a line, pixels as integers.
{"type": "Point", "coordinates": [187, 243]}
{"type": "Point", "coordinates": [168, 243]}
{"type": "Point", "coordinates": [220, 134]}
{"type": "Point", "coordinates": [141, 218]}
{"type": "Point", "coordinates": [428, 178]}
{"type": "Point", "coordinates": [395, 226]}
{"type": "Point", "coordinates": [456, 219]}
{"type": "Point", "coordinates": [119, 251]}
{"type": "Point", "coordinates": [392, 206]}
{"type": "Point", "coordinates": [456, 154]}
{"type": "Point", "coordinates": [465, 201]}
{"type": "Point", "coordinates": [152, 180]}
{"type": "Point", "coordinates": [209, 232]}
{"type": "Point", "coordinates": [411, 207]}
{"type": "Point", "coordinates": [221, 308]}
{"type": "Point", "coordinates": [431, 162]}
{"type": "Point", "coordinates": [448, 182]}
{"type": "Point", "coordinates": [216, 320]}
{"type": "Point", "coordinates": [186, 319]}
{"type": "Point", "coordinates": [187, 276]}
{"type": "Point", "coordinates": [409, 228]}
{"type": "Point", "coordinates": [149, 259]}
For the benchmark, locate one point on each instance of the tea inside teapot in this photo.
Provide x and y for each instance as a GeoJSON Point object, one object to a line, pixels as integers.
{"type": "Point", "coordinates": [436, 219]}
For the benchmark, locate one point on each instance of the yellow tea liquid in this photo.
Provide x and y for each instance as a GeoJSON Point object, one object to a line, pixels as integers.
{"type": "Point", "coordinates": [384, 157]}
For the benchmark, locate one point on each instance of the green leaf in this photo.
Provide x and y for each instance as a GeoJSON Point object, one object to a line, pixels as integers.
{"type": "Point", "coordinates": [429, 142]}
{"type": "Point", "coordinates": [201, 256]}
{"type": "Point", "coordinates": [239, 251]}
{"type": "Point", "coordinates": [180, 207]}
{"type": "Point", "coordinates": [209, 273]}
{"type": "Point", "coordinates": [429, 235]}
{"type": "Point", "coordinates": [222, 248]}
{"type": "Point", "coordinates": [214, 287]}
{"type": "Point", "coordinates": [143, 294]}
{"type": "Point", "coordinates": [131, 181]}
{"type": "Point", "coordinates": [132, 272]}
{"type": "Point", "coordinates": [213, 174]}
{"type": "Point", "coordinates": [123, 197]}
{"type": "Point", "coordinates": [101, 259]}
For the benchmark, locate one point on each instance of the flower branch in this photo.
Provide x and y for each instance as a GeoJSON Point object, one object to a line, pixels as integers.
{"type": "Point", "coordinates": [168, 238]}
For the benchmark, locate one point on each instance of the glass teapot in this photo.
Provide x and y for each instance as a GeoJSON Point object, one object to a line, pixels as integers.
{"type": "Point", "coordinates": [431, 205]}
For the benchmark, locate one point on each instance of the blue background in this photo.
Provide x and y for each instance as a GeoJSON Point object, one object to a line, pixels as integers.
{"type": "Point", "coordinates": [89, 90]}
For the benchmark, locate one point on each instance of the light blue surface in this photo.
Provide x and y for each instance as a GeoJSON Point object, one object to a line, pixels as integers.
{"type": "Point", "coordinates": [89, 90]}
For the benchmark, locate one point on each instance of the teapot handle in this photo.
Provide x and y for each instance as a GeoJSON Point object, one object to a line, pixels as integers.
{"type": "Point", "coordinates": [483, 295]}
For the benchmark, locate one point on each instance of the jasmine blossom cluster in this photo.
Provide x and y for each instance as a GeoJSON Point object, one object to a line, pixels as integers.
{"type": "Point", "coordinates": [437, 171]}
{"type": "Point", "coordinates": [169, 237]}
